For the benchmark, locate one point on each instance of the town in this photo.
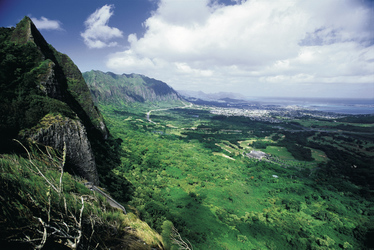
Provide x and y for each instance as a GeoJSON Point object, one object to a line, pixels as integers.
{"type": "Point", "coordinates": [272, 113]}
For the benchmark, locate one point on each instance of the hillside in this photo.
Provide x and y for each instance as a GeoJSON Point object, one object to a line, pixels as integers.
{"type": "Point", "coordinates": [54, 139]}
{"type": "Point", "coordinates": [112, 88]}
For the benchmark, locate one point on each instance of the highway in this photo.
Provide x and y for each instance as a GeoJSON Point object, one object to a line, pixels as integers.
{"type": "Point", "coordinates": [110, 200]}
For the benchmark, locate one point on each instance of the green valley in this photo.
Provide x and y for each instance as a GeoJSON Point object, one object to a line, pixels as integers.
{"type": "Point", "coordinates": [190, 167]}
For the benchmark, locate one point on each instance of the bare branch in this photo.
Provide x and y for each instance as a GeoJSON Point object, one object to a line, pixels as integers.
{"type": "Point", "coordinates": [39, 172]}
{"type": "Point", "coordinates": [44, 239]}
{"type": "Point", "coordinates": [62, 166]}
{"type": "Point", "coordinates": [176, 239]}
{"type": "Point", "coordinates": [68, 228]}
{"type": "Point", "coordinates": [49, 204]}
{"type": "Point", "coordinates": [80, 223]}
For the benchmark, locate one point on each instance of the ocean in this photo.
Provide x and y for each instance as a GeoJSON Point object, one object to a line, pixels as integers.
{"type": "Point", "coordinates": [335, 105]}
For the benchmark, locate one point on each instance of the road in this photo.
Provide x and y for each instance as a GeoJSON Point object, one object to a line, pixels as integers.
{"type": "Point", "coordinates": [110, 200]}
{"type": "Point", "coordinates": [149, 114]}
{"type": "Point", "coordinates": [189, 105]}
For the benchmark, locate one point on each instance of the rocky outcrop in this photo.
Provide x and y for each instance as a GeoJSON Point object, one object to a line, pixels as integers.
{"type": "Point", "coordinates": [26, 32]}
{"type": "Point", "coordinates": [57, 130]}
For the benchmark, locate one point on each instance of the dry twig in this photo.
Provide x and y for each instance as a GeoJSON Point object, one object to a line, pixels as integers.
{"type": "Point", "coordinates": [176, 239]}
{"type": "Point", "coordinates": [36, 167]}
{"type": "Point", "coordinates": [70, 231]}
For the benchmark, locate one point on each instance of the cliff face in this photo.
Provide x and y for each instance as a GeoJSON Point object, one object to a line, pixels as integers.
{"type": "Point", "coordinates": [36, 83]}
{"type": "Point", "coordinates": [110, 87]}
{"type": "Point", "coordinates": [58, 130]}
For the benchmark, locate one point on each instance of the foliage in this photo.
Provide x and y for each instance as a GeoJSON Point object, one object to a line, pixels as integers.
{"type": "Point", "coordinates": [220, 203]}
{"type": "Point", "coordinates": [27, 62]}
{"type": "Point", "coordinates": [31, 204]}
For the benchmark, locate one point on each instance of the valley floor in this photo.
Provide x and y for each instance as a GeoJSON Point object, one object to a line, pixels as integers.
{"type": "Point", "coordinates": [189, 167]}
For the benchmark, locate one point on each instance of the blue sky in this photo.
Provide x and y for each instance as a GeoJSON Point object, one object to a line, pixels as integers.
{"type": "Point", "coordinates": [287, 48]}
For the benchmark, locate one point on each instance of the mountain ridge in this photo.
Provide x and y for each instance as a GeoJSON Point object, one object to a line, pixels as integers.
{"type": "Point", "coordinates": [111, 87]}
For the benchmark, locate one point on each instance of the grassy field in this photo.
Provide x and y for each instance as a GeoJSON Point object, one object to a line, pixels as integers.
{"type": "Point", "coordinates": [280, 152]}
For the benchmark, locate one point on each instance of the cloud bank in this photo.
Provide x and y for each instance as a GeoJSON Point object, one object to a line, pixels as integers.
{"type": "Point", "coordinates": [45, 24]}
{"type": "Point", "coordinates": [98, 34]}
{"type": "Point", "coordinates": [307, 48]}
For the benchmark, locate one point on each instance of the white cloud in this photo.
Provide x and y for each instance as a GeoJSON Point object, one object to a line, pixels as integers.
{"type": "Point", "coordinates": [254, 45]}
{"type": "Point", "coordinates": [45, 24]}
{"type": "Point", "coordinates": [98, 34]}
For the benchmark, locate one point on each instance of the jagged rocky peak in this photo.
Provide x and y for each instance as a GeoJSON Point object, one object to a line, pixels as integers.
{"type": "Point", "coordinates": [39, 83]}
{"type": "Point", "coordinates": [26, 31]}
{"type": "Point", "coordinates": [110, 87]}
{"type": "Point", "coordinates": [71, 87]}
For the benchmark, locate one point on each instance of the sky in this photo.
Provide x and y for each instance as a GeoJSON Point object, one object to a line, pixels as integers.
{"type": "Point", "coordinates": [282, 48]}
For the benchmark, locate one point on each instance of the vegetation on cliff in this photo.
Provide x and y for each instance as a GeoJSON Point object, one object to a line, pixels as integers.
{"type": "Point", "coordinates": [36, 80]}
{"type": "Point", "coordinates": [123, 89]}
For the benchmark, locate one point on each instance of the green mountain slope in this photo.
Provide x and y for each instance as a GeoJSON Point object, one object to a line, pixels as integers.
{"type": "Point", "coordinates": [46, 106]}
{"type": "Point", "coordinates": [38, 86]}
{"type": "Point", "coordinates": [53, 72]}
{"type": "Point", "coordinates": [112, 88]}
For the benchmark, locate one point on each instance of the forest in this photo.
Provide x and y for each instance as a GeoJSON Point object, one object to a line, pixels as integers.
{"type": "Point", "coordinates": [188, 169]}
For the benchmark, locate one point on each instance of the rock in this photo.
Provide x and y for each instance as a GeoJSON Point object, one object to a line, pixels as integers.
{"type": "Point", "coordinates": [79, 157]}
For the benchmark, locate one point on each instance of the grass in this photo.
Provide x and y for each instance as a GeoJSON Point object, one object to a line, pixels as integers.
{"type": "Point", "coordinates": [319, 156]}
{"type": "Point", "coordinates": [28, 196]}
{"type": "Point", "coordinates": [223, 155]}
{"type": "Point", "coordinates": [280, 152]}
